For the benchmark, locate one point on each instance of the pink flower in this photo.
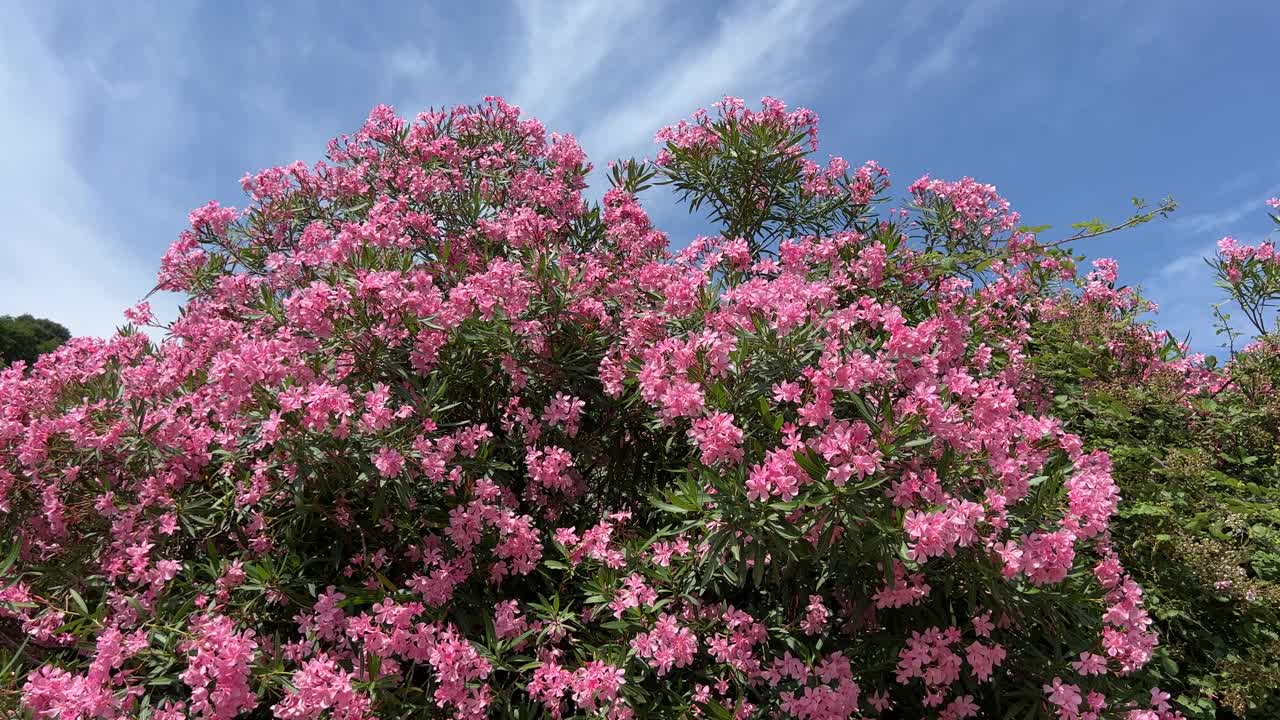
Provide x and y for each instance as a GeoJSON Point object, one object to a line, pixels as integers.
{"type": "Point", "coordinates": [320, 687]}
{"type": "Point", "coordinates": [1065, 696]}
{"type": "Point", "coordinates": [1159, 699]}
{"type": "Point", "coordinates": [633, 594]}
{"type": "Point", "coordinates": [507, 621]}
{"type": "Point", "coordinates": [717, 438]}
{"type": "Point", "coordinates": [548, 467]}
{"type": "Point", "coordinates": [389, 462]}
{"type": "Point", "coordinates": [1090, 664]}
{"type": "Point", "coordinates": [982, 626]}
{"type": "Point", "coordinates": [786, 392]}
{"type": "Point", "coordinates": [984, 659]}
{"type": "Point", "coordinates": [595, 684]}
{"type": "Point", "coordinates": [564, 410]}
{"type": "Point", "coordinates": [816, 616]}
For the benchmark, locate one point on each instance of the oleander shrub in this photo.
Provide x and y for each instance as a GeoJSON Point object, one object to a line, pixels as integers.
{"type": "Point", "coordinates": [435, 437]}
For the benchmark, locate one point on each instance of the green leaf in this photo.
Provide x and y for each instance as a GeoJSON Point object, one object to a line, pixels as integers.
{"type": "Point", "coordinates": [79, 601]}
{"type": "Point", "coordinates": [918, 442]}
{"type": "Point", "coordinates": [668, 507]}
{"type": "Point", "coordinates": [10, 557]}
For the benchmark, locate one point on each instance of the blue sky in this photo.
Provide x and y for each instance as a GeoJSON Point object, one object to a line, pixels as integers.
{"type": "Point", "coordinates": [119, 120]}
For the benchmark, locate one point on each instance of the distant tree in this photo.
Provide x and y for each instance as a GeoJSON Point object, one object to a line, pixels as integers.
{"type": "Point", "coordinates": [26, 338]}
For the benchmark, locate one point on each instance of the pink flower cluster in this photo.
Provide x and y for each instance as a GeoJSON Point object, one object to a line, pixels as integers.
{"type": "Point", "coordinates": [700, 133]}
{"type": "Point", "coordinates": [592, 687]}
{"type": "Point", "coordinates": [667, 645]}
{"type": "Point", "coordinates": [1233, 252]}
{"type": "Point", "coordinates": [320, 686]}
{"type": "Point", "coordinates": [218, 670]}
{"type": "Point", "coordinates": [977, 205]}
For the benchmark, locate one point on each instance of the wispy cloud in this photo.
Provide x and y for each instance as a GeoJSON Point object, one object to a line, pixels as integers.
{"type": "Point", "coordinates": [1223, 218]}
{"type": "Point", "coordinates": [753, 49]}
{"type": "Point", "coordinates": [568, 48]}
{"type": "Point", "coordinates": [1237, 184]}
{"type": "Point", "coordinates": [412, 62]}
{"type": "Point", "coordinates": [1185, 285]}
{"type": "Point", "coordinates": [63, 254]}
{"type": "Point", "coordinates": [582, 67]}
{"type": "Point", "coordinates": [953, 50]}
{"type": "Point", "coordinates": [1185, 291]}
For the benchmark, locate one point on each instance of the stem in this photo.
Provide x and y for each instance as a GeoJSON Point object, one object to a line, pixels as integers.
{"type": "Point", "coordinates": [1165, 208]}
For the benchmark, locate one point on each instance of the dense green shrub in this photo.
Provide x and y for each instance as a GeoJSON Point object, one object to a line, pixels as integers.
{"type": "Point", "coordinates": [1197, 457]}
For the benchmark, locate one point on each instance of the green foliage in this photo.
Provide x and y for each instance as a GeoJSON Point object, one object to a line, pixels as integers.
{"type": "Point", "coordinates": [753, 184]}
{"type": "Point", "coordinates": [1199, 524]}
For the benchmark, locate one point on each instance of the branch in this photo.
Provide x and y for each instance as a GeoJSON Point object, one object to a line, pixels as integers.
{"type": "Point", "coordinates": [1166, 207]}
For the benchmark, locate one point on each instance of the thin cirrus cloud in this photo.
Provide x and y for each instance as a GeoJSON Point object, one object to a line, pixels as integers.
{"type": "Point", "coordinates": [585, 70]}
{"type": "Point", "coordinates": [109, 119]}
{"type": "Point", "coordinates": [955, 47]}
{"type": "Point", "coordinates": [566, 50]}
{"type": "Point", "coordinates": [1222, 219]}
{"type": "Point", "coordinates": [751, 50]}
{"type": "Point", "coordinates": [613, 73]}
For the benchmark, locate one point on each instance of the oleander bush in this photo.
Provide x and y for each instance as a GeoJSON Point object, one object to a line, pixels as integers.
{"type": "Point", "coordinates": [435, 437]}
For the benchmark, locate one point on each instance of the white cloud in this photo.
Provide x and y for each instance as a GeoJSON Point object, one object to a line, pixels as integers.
{"type": "Point", "coordinates": [567, 45]}
{"type": "Point", "coordinates": [412, 62]}
{"type": "Point", "coordinates": [1185, 286]}
{"type": "Point", "coordinates": [1184, 289]}
{"type": "Point", "coordinates": [614, 73]}
{"type": "Point", "coordinates": [755, 49]}
{"type": "Point", "coordinates": [1223, 218]}
{"type": "Point", "coordinates": [1237, 184]}
{"type": "Point", "coordinates": [61, 257]}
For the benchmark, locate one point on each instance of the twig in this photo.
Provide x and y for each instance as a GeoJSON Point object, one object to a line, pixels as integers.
{"type": "Point", "coordinates": [1165, 208]}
